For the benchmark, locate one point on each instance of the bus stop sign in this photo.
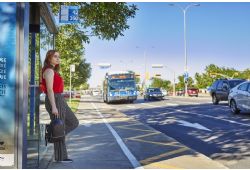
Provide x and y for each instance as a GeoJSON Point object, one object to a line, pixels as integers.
{"type": "Point", "coordinates": [185, 77]}
{"type": "Point", "coordinates": [69, 14]}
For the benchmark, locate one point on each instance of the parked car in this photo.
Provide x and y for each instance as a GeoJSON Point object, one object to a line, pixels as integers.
{"type": "Point", "coordinates": [239, 98]}
{"type": "Point", "coordinates": [96, 92]}
{"type": "Point", "coordinates": [74, 94]}
{"type": "Point", "coordinates": [77, 95]}
{"type": "Point", "coordinates": [153, 93]}
{"type": "Point", "coordinates": [66, 94]}
{"type": "Point", "coordinates": [164, 92]}
{"type": "Point", "coordinates": [219, 90]}
{"type": "Point", "coordinates": [180, 92]}
{"type": "Point", "coordinates": [192, 91]}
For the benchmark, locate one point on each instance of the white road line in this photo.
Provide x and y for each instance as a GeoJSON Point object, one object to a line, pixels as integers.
{"type": "Point", "coordinates": [231, 121]}
{"type": "Point", "coordinates": [146, 104]}
{"type": "Point", "coordinates": [195, 103]}
{"type": "Point", "coordinates": [172, 104]}
{"type": "Point", "coordinates": [124, 148]}
{"type": "Point", "coordinates": [131, 106]}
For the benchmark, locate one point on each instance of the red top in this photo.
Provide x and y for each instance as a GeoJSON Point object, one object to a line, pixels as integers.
{"type": "Point", "coordinates": [58, 84]}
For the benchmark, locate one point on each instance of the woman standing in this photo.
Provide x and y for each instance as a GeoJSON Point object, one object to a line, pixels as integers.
{"type": "Point", "coordinates": [55, 103]}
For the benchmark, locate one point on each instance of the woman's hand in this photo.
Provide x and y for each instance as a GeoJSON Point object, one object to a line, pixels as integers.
{"type": "Point", "coordinates": [55, 111]}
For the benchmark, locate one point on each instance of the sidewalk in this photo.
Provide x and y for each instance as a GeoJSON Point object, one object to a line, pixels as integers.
{"type": "Point", "coordinates": [108, 139]}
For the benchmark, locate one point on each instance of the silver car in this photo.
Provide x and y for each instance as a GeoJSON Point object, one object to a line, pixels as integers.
{"type": "Point", "coordinates": [239, 98]}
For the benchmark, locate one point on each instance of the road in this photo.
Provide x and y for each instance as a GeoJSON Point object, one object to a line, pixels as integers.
{"type": "Point", "coordinates": [209, 129]}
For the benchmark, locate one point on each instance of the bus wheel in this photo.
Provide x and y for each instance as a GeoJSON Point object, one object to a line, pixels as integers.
{"type": "Point", "coordinates": [108, 100]}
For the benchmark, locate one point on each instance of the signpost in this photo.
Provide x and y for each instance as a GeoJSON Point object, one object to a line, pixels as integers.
{"type": "Point", "coordinates": [185, 77]}
{"type": "Point", "coordinates": [72, 69]}
{"type": "Point", "coordinates": [68, 14]}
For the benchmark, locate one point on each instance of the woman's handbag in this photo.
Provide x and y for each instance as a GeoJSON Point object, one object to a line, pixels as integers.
{"type": "Point", "coordinates": [54, 131]}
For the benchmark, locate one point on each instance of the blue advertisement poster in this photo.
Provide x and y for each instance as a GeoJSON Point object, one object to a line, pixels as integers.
{"type": "Point", "coordinates": [7, 83]}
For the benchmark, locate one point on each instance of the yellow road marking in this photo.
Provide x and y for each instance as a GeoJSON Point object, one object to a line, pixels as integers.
{"type": "Point", "coordinates": [130, 125]}
{"type": "Point", "coordinates": [135, 129]}
{"type": "Point", "coordinates": [157, 143]}
{"type": "Point", "coordinates": [150, 160]}
{"type": "Point", "coordinates": [141, 136]}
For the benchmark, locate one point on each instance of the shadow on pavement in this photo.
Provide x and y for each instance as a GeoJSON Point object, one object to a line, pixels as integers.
{"type": "Point", "coordinates": [226, 142]}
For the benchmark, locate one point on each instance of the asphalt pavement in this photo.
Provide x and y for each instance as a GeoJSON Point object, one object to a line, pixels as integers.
{"type": "Point", "coordinates": [198, 124]}
{"type": "Point", "coordinates": [119, 136]}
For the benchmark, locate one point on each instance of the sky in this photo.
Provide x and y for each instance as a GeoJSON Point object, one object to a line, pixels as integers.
{"type": "Point", "coordinates": [217, 33]}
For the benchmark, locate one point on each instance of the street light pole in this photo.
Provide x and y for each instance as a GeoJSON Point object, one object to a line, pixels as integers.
{"type": "Point", "coordinates": [185, 49]}
{"type": "Point", "coordinates": [184, 10]}
{"type": "Point", "coordinates": [145, 64]}
{"type": "Point", "coordinates": [145, 68]}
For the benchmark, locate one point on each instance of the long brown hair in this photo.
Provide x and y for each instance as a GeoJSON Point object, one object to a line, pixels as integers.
{"type": "Point", "coordinates": [48, 57]}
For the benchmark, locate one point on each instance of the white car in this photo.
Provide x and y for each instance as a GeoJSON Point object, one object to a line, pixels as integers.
{"type": "Point", "coordinates": [239, 98]}
{"type": "Point", "coordinates": [96, 92]}
{"type": "Point", "coordinates": [164, 92]}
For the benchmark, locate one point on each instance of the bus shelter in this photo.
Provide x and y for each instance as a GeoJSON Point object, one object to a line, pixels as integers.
{"type": "Point", "coordinates": [27, 32]}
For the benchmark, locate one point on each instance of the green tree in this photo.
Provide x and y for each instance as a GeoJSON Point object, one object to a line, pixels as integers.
{"type": "Point", "coordinates": [245, 74]}
{"type": "Point", "coordinates": [181, 84]}
{"type": "Point", "coordinates": [203, 80]}
{"type": "Point", "coordinates": [213, 72]}
{"type": "Point", "coordinates": [72, 54]}
{"type": "Point", "coordinates": [84, 86]}
{"type": "Point", "coordinates": [160, 83]}
{"type": "Point", "coordinates": [104, 20]}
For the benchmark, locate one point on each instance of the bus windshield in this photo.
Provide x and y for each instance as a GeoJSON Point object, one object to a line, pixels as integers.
{"type": "Point", "coordinates": [122, 84]}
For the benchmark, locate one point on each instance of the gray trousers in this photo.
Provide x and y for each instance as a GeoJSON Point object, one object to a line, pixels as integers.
{"type": "Point", "coordinates": [70, 123]}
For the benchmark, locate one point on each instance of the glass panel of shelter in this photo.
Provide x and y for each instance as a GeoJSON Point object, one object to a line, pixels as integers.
{"type": "Point", "coordinates": [39, 44]}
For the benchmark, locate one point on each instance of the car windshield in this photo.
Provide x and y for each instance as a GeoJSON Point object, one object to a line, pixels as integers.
{"type": "Point", "coordinates": [121, 84]}
{"type": "Point", "coordinates": [235, 83]}
{"type": "Point", "coordinates": [154, 90]}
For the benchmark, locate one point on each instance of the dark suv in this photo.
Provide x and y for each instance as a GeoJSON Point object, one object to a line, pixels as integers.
{"type": "Point", "coordinates": [220, 89]}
